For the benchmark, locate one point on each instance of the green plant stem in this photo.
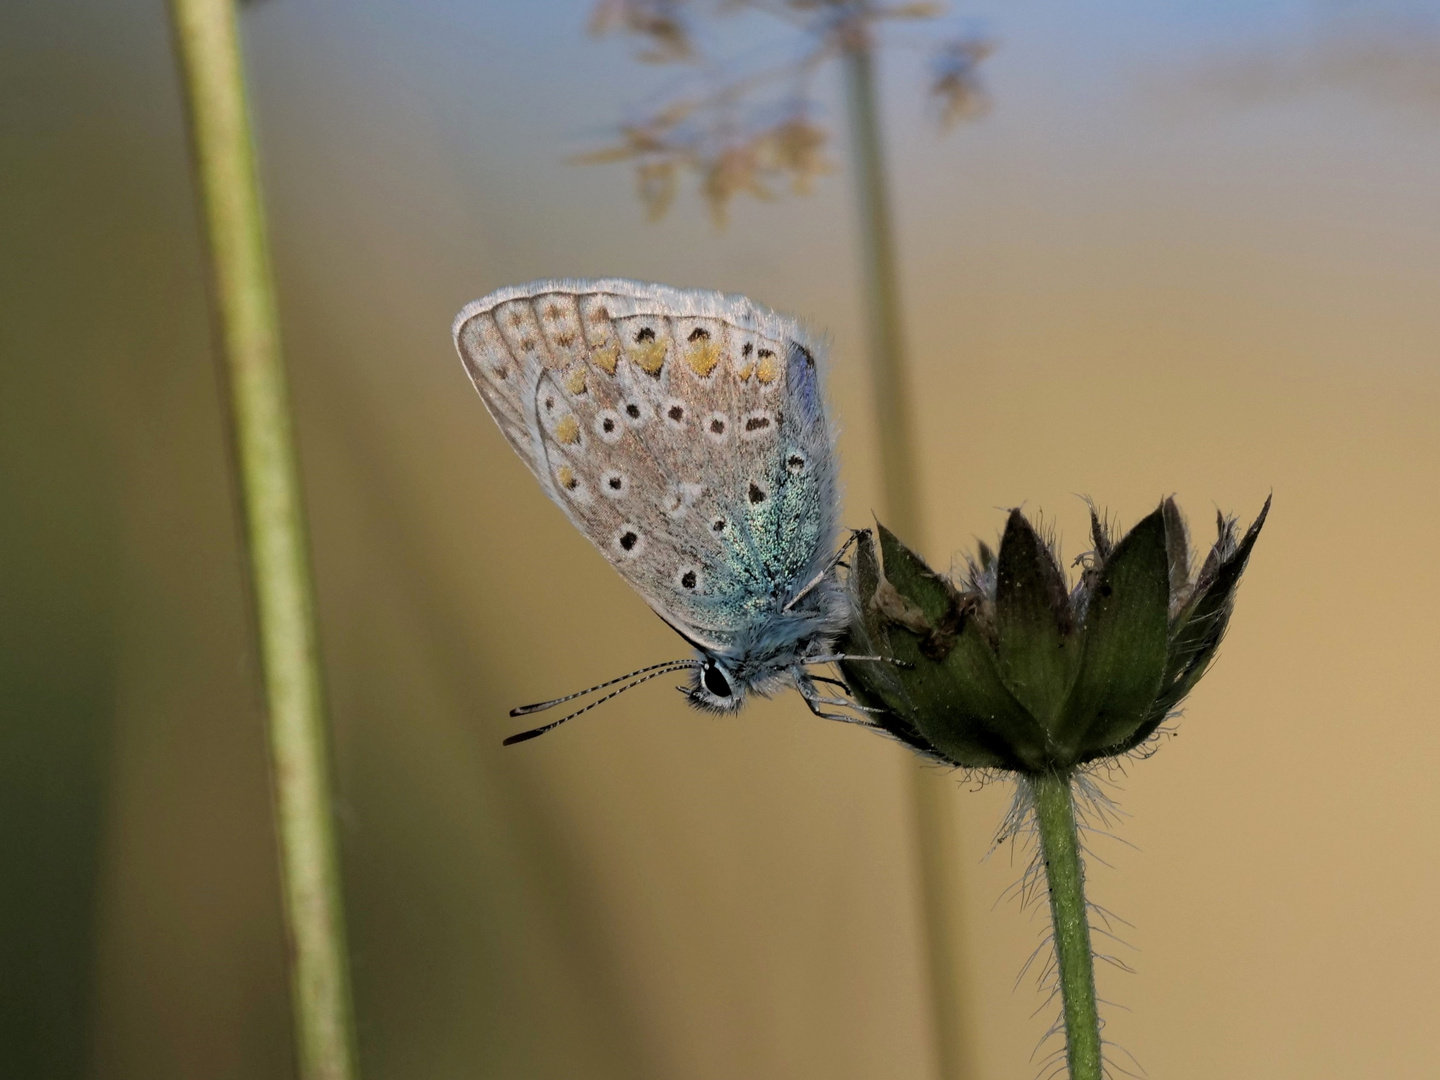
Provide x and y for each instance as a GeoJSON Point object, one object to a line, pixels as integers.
{"type": "Point", "coordinates": [932, 793]}
{"type": "Point", "coordinates": [244, 295]}
{"type": "Point", "coordinates": [1065, 874]}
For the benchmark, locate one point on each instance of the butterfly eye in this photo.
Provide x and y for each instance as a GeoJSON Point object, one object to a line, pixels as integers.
{"type": "Point", "coordinates": [715, 680]}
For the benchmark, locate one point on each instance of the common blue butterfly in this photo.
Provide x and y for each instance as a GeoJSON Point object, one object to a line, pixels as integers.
{"type": "Point", "coordinates": [683, 432]}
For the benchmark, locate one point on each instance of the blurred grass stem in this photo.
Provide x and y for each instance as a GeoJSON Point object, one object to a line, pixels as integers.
{"type": "Point", "coordinates": [1065, 874]}
{"type": "Point", "coordinates": [889, 380]}
{"type": "Point", "coordinates": [243, 290]}
{"type": "Point", "coordinates": [890, 391]}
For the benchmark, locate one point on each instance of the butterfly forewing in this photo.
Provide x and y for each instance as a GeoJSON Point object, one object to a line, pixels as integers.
{"type": "Point", "coordinates": [681, 431]}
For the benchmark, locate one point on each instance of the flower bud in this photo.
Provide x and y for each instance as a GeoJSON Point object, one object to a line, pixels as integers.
{"type": "Point", "coordinates": [1014, 668]}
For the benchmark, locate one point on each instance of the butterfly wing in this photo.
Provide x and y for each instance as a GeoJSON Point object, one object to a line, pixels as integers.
{"type": "Point", "coordinates": [682, 431]}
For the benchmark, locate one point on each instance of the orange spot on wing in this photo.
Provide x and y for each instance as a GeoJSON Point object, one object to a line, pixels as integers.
{"type": "Point", "coordinates": [703, 357]}
{"type": "Point", "coordinates": [649, 357]}
{"type": "Point", "coordinates": [568, 430]}
{"type": "Point", "coordinates": [606, 358]}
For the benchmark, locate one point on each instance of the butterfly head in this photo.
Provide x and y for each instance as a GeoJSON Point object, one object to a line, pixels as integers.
{"type": "Point", "coordinates": [714, 687]}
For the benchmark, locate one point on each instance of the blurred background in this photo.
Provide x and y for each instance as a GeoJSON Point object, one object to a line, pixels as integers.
{"type": "Point", "coordinates": [1193, 248]}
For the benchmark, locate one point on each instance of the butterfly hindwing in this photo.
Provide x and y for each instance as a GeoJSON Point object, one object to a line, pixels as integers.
{"type": "Point", "coordinates": [683, 433]}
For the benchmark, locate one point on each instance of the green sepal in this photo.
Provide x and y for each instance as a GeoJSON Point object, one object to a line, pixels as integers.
{"type": "Point", "coordinates": [1037, 650]}
{"type": "Point", "coordinates": [874, 684]}
{"type": "Point", "coordinates": [1125, 646]}
{"type": "Point", "coordinates": [954, 697]}
{"type": "Point", "coordinates": [1196, 631]}
{"type": "Point", "coordinates": [980, 709]}
{"type": "Point", "coordinates": [1177, 548]}
{"type": "Point", "coordinates": [936, 597]}
{"type": "Point", "coordinates": [916, 686]}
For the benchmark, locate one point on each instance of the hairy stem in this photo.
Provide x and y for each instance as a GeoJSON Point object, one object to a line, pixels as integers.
{"type": "Point", "coordinates": [244, 297]}
{"type": "Point", "coordinates": [1065, 874]}
{"type": "Point", "coordinates": [933, 793]}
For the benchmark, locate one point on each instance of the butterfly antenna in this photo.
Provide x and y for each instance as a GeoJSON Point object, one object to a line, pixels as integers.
{"type": "Point", "coordinates": [649, 673]}
{"type": "Point", "coordinates": [526, 710]}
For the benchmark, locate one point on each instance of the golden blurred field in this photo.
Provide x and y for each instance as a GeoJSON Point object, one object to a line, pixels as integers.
{"type": "Point", "coordinates": [1191, 250]}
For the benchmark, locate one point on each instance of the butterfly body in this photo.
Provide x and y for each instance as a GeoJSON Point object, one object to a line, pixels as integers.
{"type": "Point", "coordinates": [684, 433]}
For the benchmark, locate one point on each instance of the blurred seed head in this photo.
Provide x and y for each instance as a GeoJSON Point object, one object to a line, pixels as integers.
{"type": "Point", "coordinates": [955, 80]}
{"type": "Point", "coordinates": [796, 147]}
{"type": "Point", "coordinates": [740, 131]}
{"type": "Point", "coordinates": [661, 25]}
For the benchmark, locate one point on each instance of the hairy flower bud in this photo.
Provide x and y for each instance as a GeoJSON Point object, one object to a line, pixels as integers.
{"type": "Point", "coordinates": [1015, 669]}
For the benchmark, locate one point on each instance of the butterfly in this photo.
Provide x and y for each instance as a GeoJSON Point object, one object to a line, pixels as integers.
{"type": "Point", "coordinates": [683, 432]}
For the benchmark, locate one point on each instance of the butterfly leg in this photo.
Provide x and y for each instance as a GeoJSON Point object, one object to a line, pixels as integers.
{"type": "Point", "coordinates": [814, 707]}
{"type": "Point", "coordinates": [847, 703]}
{"type": "Point", "coordinates": [813, 699]}
{"type": "Point", "coordinates": [835, 658]}
{"type": "Point", "coordinates": [809, 586]}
